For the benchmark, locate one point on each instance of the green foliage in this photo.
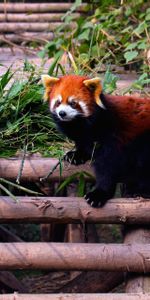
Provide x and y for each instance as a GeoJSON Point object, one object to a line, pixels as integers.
{"type": "Point", "coordinates": [25, 119]}
{"type": "Point", "coordinates": [109, 83]}
{"type": "Point", "coordinates": [113, 33]}
{"type": "Point", "coordinates": [80, 178]}
{"type": "Point", "coordinates": [110, 34]}
{"type": "Point", "coordinates": [138, 84]}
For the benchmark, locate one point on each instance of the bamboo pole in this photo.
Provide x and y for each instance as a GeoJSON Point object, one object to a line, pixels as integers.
{"type": "Point", "coordinates": [22, 26]}
{"type": "Point", "coordinates": [119, 296]}
{"type": "Point", "coordinates": [35, 168]}
{"type": "Point", "coordinates": [75, 256]}
{"type": "Point", "coordinates": [37, 17]}
{"type": "Point", "coordinates": [73, 210]}
{"type": "Point", "coordinates": [38, 7]}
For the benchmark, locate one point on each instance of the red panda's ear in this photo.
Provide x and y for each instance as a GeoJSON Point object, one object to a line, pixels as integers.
{"type": "Point", "coordinates": [48, 83]}
{"type": "Point", "coordinates": [95, 86]}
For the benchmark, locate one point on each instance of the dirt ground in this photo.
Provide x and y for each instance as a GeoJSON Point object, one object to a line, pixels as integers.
{"type": "Point", "coordinates": [15, 57]}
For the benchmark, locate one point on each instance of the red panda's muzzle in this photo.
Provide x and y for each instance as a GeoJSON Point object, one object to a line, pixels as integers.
{"type": "Point", "coordinates": [65, 112]}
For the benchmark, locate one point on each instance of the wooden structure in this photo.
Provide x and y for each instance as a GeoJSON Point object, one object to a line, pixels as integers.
{"type": "Point", "coordinates": [33, 21]}
{"type": "Point", "coordinates": [131, 257]}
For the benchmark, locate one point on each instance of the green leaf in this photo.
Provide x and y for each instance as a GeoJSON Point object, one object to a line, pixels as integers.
{"type": "Point", "coordinates": [16, 88]}
{"type": "Point", "coordinates": [84, 35]}
{"type": "Point", "coordinates": [5, 79]}
{"type": "Point", "coordinates": [42, 53]}
{"type": "Point", "coordinates": [140, 28]}
{"type": "Point", "coordinates": [147, 18]}
{"type": "Point", "coordinates": [109, 83]}
{"type": "Point", "coordinates": [60, 166]}
{"type": "Point", "coordinates": [54, 63]}
{"type": "Point", "coordinates": [87, 25]}
{"type": "Point", "coordinates": [28, 67]}
{"type": "Point", "coordinates": [131, 46]}
{"type": "Point", "coordinates": [67, 181]}
{"type": "Point", "coordinates": [130, 55]}
{"type": "Point", "coordinates": [142, 45]}
{"type": "Point", "coordinates": [127, 29]}
{"type": "Point", "coordinates": [81, 185]}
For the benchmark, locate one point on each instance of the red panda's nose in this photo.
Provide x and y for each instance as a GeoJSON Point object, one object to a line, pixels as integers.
{"type": "Point", "coordinates": [62, 114]}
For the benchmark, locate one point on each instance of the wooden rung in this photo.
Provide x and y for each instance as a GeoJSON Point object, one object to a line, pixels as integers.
{"type": "Point", "coordinates": [73, 210]}
{"type": "Point", "coordinates": [37, 7]}
{"type": "Point", "coordinates": [120, 296]}
{"type": "Point", "coordinates": [22, 17]}
{"type": "Point", "coordinates": [24, 26]}
{"type": "Point", "coordinates": [27, 36]}
{"type": "Point", "coordinates": [75, 256]}
{"type": "Point", "coordinates": [35, 168]}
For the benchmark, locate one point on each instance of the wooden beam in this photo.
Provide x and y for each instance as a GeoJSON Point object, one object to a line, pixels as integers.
{"type": "Point", "coordinates": [120, 296]}
{"type": "Point", "coordinates": [38, 7]}
{"type": "Point", "coordinates": [35, 168]}
{"type": "Point", "coordinates": [73, 210]}
{"type": "Point", "coordinates": [75, 256]}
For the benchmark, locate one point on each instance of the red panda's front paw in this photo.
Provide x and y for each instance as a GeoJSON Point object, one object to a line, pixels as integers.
{"type": "Point", "coordinates": [75, 158]}
{"type": "Point", "coordinates": [96, 198]}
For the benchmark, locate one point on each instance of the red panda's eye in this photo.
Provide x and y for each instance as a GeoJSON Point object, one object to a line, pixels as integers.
{"type": "Point", "coordinates": [57, 103]}
{"type": "Point", "coordinates": [73, 104]}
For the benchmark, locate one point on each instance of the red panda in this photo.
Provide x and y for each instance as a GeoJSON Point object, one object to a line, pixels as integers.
{"type": "Point", "coordinates": [120, 125]}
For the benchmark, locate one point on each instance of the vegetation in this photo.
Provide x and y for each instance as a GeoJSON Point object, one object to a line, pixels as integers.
{"type": "Point", "coordinates": [25, 120]}
{"type": "Point", "coordinates": [112, 35]}
{"type": "Point", "coordinates": [115, 33]}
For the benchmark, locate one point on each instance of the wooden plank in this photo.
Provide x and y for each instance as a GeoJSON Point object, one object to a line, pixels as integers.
{"type": "Point", "coordinates": [38, 7]}
{"type": "Point", "coordinates": [75, 256]}
{"type": "Point", "coordinates": [120, 296]}
{"type": "Point", "coordinates": [73, 210]}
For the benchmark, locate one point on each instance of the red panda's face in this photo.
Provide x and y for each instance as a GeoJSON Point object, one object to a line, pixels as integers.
{"type": "Point", "coordinates": [71, 96]}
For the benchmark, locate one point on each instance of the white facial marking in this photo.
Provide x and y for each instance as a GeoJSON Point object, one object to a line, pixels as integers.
{"type": "Point", "coordinates": [82, 105]}
{"type": "Point", "coordinates": [53, 102]}
{"type": "Point", "coordinates": [71, 113]}
{"type": "Point", "coordinates": [84, 108]}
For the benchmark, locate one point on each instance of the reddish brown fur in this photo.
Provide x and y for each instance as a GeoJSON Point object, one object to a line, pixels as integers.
{"type": "Point", "coordinates": [133, 114]}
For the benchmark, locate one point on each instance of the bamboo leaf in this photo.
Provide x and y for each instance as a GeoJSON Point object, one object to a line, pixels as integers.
{"type": "Point", "coordinates": [5, 79]}
{"type": "Point", "coordinates": [81, 185]}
